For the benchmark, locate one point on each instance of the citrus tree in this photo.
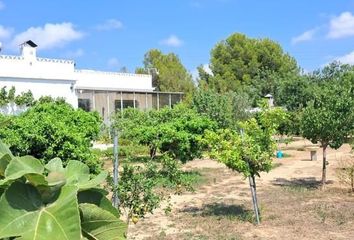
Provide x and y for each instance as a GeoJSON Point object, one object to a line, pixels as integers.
{"type": "Point", "coordinates": [174, 131]}
{"type": "Point", "coordinates": [53, 128]}
{"type": "Point", "coordinates": [329, 119]}
{"type": "Point", "coordinates": [248, 151]}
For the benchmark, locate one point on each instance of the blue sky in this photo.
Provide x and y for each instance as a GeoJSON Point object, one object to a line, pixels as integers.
{"type": "Point", "coordinates": [110, 34]}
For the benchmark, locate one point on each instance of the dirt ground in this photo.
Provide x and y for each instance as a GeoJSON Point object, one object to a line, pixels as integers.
{"type": "Point", "coordinates": [291, 203]}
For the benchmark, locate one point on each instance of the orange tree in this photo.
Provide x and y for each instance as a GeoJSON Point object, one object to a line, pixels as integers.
{"type": "Point", "coordinates": [174, 131]}
{"type": "Point", "coordinates": [329, 118]}
{"type": "Point", "coordinates": [248, 151]}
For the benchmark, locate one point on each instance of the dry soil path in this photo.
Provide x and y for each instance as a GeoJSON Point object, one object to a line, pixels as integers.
{"type": "Point", "coordinates": [231, 186]}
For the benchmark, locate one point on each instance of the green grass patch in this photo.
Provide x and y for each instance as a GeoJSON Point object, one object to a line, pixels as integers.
{"type": "Point", "coordinates": [188, 179]}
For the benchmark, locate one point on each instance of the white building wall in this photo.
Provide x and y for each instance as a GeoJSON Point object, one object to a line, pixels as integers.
{"type": "Point", "coordinates": [43, 87]}
{"type": "Point", "coordinates": [58, 78]}
{"type": "Point", "coordinates": [88, 79]}
{"type": "Point", "coordinates": [41, 68]}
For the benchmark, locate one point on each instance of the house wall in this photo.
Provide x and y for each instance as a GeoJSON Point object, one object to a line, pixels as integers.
{"type": "Point", "coordinates": [42, 76]}
{"type": "Point", "coordinates": [89, 79]}
{"type": "Point", "coordinates": [43, 87]}
{"type": "Point", "coordinates": [36, 68]}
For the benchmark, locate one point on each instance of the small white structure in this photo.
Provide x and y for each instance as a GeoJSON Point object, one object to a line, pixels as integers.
{"type": "Point", "coordinates": [89, 89]}
{"type": "Point", "coordinates": [270, 99]}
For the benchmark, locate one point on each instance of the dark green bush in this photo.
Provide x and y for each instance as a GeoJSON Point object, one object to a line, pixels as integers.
{"type": "Point", "coordinates": [53, 129]}
{"type": "Point", "coordinates": [175, 131]}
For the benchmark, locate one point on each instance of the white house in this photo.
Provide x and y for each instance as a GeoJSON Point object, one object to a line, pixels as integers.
{"type": "Point", "coordinates": [91, 90]}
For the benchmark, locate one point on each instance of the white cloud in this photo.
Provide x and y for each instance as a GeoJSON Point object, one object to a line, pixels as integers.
{"type": "Point", "coordinates": [341, 26]}
{"type": "Point", "coordinates": [75, 54]}
{"type": "Point", "coordinates": [207, 69]}
{"type": "Point", "coordinates": [49, 36]}
{"type": "Point", "coordinates": [2, 5]}
{"type": "Point", "coordinates": [110, 24]}
{"type": "Point", "coordinates": [172, 41]}
{"type": "Point", "coordinates": [113, 63]}
{"type": "Point", "coordinates": [195, 75]}
{"type": "Point", "coordinates": [5, 32]}
{"type": "Point", "coordinates": [195, 72]}
{"type": "Point", "coordinates": [306, 36]}
{"type": "Point", "coordinates": [346, 59]}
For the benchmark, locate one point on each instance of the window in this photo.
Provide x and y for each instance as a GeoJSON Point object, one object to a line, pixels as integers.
{"type": "Point", "coordinates": [84, 104]}
{"type": "Point", "coordinates": [126, 104]}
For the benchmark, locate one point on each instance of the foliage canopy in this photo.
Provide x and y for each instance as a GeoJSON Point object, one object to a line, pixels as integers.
{"type": "Point", "coordinates": [242, 64]}
{"type": "Point", "coordinates": [175, 131]}
{"type": "Point", "coordinates": [172, 76]}
{"type": "Point", "coordinates": [53, 129]}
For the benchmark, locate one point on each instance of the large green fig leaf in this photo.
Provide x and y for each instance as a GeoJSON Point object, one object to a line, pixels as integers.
{"type": "Point", "coordinates": [5, 158]}
{"type": "Point", "coordinates": [98, 224]}
{"type": "Point", "coordinates": [23, 214]}
{"type": "Point", "coordinates": [98, 197]}
{"type": "Point", "coordinates": [94, 182]}
{"type": "Point", "coordinates": [55, 165]}
{"type": "Point", "coordinates": [4, 149]}
{"type": "Point", "coordinates": [78, 174]}
{"type": "Point", "coordinates": [20, 166]}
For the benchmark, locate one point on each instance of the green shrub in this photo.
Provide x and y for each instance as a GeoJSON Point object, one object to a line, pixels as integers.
{"type": "Point", "coordinates": [142, 188]}
{"type": "Point", "coordinates": [49, 201]}
{"type": "Point", "coordinates": [53, 129]}
{"type": "Point", "coordinates": [175, 131]}
{"type": "Point", "coordinates": [136, 192]}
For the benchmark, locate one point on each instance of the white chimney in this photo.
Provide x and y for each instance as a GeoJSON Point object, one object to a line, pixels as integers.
{"type": "Point", "coordinates": [28, 50]}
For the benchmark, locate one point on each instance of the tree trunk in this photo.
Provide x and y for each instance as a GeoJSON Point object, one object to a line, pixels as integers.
{"type": "Point", "coordinates": [152, 152]}
{"type": "Point", "coordinates": [324, 166]}
{"type": "Point", "coordinates": [254, 197]}
{"type": "Point", "coordinates": [128, 221]}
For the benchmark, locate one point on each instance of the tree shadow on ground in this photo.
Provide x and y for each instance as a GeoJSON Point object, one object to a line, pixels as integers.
{"type": "Point", "coordinates": [308, 183]}
{"type": "Point", "coordinates": [222, 210]}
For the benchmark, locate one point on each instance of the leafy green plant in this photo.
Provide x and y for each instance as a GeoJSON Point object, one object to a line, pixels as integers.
{"type": "Point", "coordinates": [54, 202]}
{"type": "Point", "coordinates": [175, 131]}
{"type": "Point", "coordinates": [329, 118]}
{"type": "Point", "coordinates": [171, 175]}
{"type": "Point", "coordinates": [136, 192]}
{"type": "Point", "coordinates": [168, 72]}
{"type": "Point", "coordinates": [225, 109]}
{"type": "Point", "coordinates": [25, 98]}
{"type": "Point", "coordinates": [248, 152]}
{"type": "Point", "coordinates": [243, 64]}
{"type": "Point", "coordinates": [141, 189]}
{"type": "Point", "coordinates": [53, 129]}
